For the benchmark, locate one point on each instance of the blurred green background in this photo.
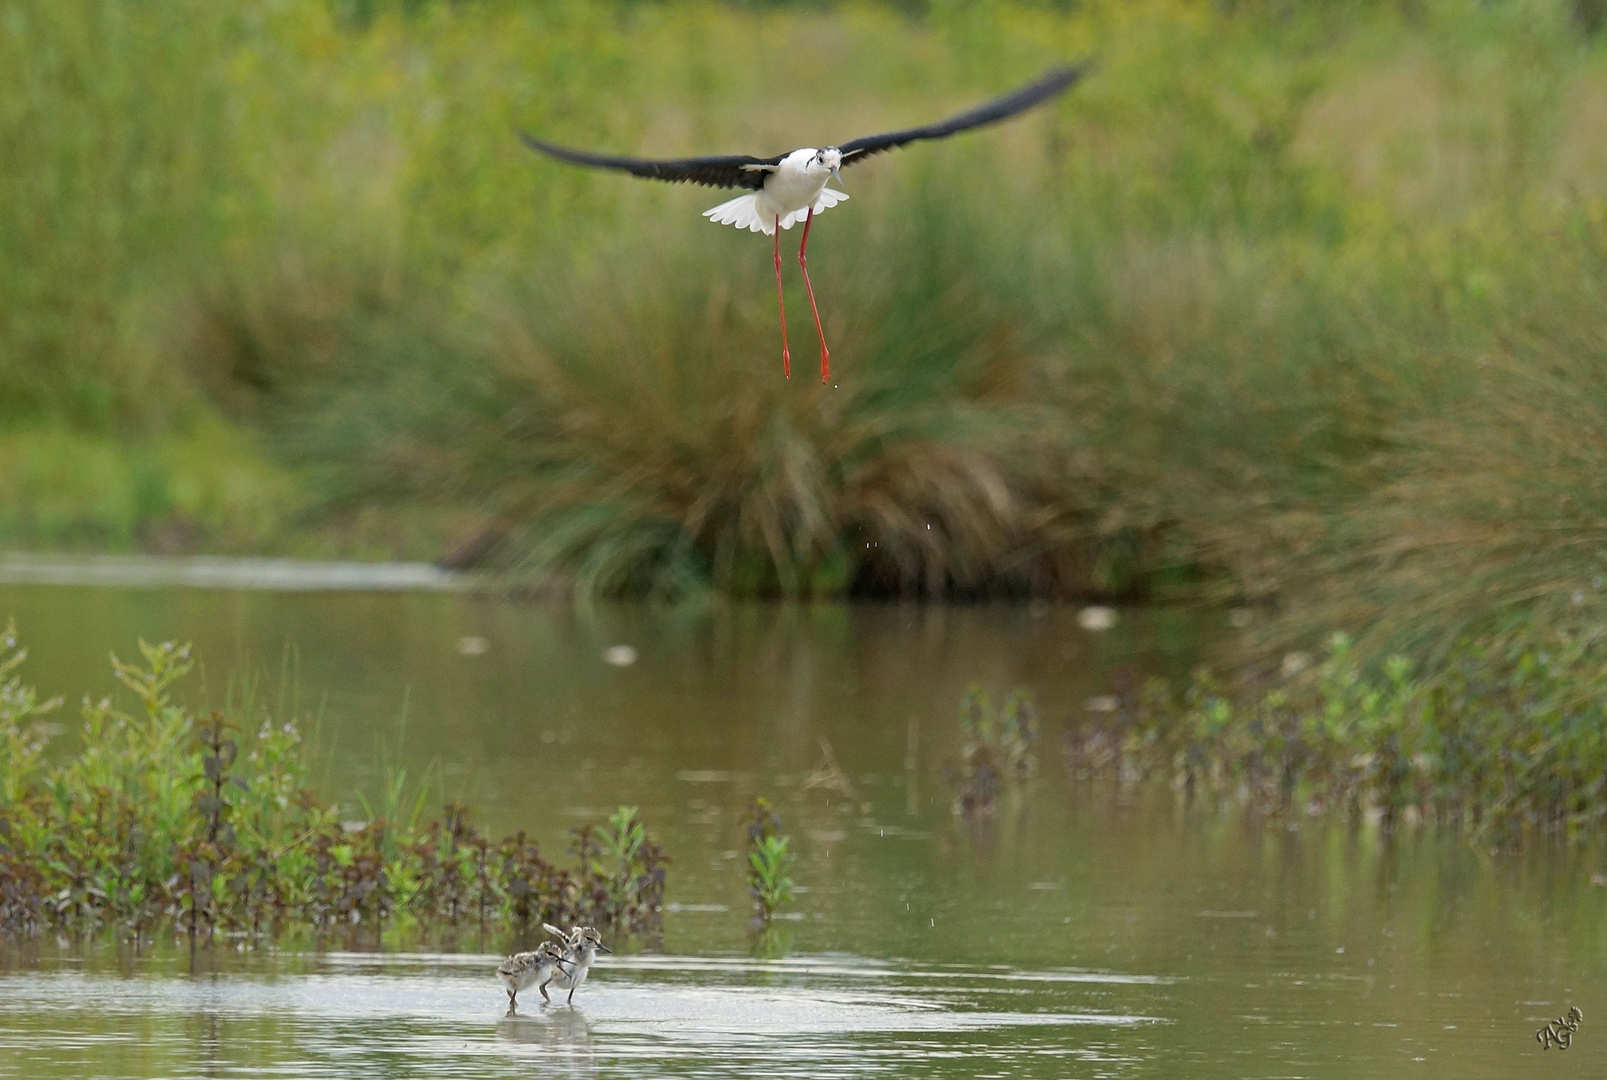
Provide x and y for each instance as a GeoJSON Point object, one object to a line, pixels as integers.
{"type": "Point", "coordinates": [1295, 306]}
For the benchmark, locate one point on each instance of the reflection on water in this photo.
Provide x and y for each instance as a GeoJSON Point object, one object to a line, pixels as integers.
{"type": "Point", "coordinates": [1079, 933]}
{"type": "Point", "coordinates": [212, 572]}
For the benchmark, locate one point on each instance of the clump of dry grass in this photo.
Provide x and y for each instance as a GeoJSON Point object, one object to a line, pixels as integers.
{"type": "Point", "coordinates": [627, 429]}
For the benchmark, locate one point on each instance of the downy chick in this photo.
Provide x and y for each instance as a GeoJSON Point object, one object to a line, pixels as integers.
{"type": "Point", "coordinates": [522, 970]}
{"type": "Point", "coordinates": [581, 945]}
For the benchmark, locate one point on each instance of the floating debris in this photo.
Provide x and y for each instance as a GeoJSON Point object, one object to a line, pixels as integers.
{"type": "Point", "coordinates": [619, 655]}
{"type": "Point", "coordinates": [1096, 618]}
{"type": "Point", "coordinates": [829, 775]}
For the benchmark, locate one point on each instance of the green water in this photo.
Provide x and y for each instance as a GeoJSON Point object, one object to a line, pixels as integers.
{"type": "Point", "coordinates": [1083, 932]}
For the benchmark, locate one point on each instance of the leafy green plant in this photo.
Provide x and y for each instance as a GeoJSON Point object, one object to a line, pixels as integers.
{"type": "Point", "coordinates": [23, 731]}
{"type": "Point", "coordinates": [769, 862]}
{"type": "Point", "coordinates": [622, 873]}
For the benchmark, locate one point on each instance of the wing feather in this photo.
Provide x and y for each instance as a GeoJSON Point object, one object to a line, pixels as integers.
{"type": "Point", "coordinates": [720, 170]}
{"type": "Point", "coordinates": [1000, 108]}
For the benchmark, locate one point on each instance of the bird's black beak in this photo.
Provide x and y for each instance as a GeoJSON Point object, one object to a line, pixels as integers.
{"type": "Point", "coordinates": [837, 176]}
{"type": "Point", "coordinates": [605, 948]}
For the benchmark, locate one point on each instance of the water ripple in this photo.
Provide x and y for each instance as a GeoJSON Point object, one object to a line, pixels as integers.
{"type": "Point", "coordinates": [430, 1015]}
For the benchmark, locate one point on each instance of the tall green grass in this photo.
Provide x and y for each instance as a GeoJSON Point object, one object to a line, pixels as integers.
{"type": "Point", "coordinates": [1294, 307]}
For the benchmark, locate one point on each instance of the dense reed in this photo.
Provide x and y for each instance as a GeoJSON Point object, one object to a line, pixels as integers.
{"type": "Point", "coordinates": [165, 820]}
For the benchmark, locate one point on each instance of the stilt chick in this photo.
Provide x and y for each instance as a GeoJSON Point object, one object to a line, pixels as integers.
{"type": "Point", "coordinates": [523, 970]}
{"type": "Point", "coordinates": [580, 949]}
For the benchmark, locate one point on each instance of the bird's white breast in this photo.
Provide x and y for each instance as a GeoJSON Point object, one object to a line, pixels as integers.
{"type": "Point", "coordinates": [796, 184]}
{"type": "Point", "coordinates": [795, 187]}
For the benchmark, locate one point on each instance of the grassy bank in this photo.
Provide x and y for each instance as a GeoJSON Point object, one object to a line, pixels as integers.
{"type": "Point", "coordinates": [1301, 309]}
{"type": "Point", "coordinates": [163, 820]}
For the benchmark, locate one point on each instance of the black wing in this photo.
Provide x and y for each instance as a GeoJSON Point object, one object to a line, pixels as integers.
{"type": "Point", "coordinates": [1034, 93]}
{"type": "Point", "coordinates": [724, 171]}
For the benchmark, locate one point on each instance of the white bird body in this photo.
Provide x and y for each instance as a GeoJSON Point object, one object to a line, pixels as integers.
{"type": "Point", "coordinates": [791, 191]}
{"type": "Point", "coordinates": [581, 958]}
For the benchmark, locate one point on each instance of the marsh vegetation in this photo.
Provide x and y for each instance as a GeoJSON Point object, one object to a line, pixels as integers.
{"type": "Point", "coordinates": [1502, 740]}
{"type": "Point", "coordinates": [997, 756]}
{"type": "Point", "coordinates": [1298, 308]}
{"type": "Point", "coordinates": [163, 819]}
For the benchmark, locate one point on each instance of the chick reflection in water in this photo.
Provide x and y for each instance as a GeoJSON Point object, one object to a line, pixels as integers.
{"type": "Point", "coordinates": [563, 1037]}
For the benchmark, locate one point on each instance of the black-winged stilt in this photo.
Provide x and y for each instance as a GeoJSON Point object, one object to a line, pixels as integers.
{"type": "Point", "coordinates": [790, 187]}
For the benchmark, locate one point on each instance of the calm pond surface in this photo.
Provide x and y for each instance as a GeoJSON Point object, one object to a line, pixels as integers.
{"type": "Point", "coordinates": [1083, 932]}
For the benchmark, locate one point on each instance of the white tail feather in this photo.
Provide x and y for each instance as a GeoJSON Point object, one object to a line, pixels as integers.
{"type": "Point", "coordinates": [743, 212]}
{"type": "Point", "coordinates": [827, 197]}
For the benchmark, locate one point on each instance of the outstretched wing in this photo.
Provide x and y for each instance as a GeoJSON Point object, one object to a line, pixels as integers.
{"type": "Point", "coordinates": [723, 171]}
{"type": "Point", "coordinates": [1034, 93]}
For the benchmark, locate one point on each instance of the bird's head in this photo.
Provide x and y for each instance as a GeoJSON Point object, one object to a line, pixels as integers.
{"type": "Point", "coordinates": [828, 159]}
{"type": "Point", "coordinates": [552, 954]}
{"type": "Point", "coordinates": [588, 935]}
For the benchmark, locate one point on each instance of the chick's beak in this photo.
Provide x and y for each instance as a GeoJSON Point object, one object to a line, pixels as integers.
{"type": "Point", "coordinates": [605, 948]}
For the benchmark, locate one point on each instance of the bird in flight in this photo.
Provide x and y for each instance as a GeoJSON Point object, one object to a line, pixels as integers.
{"type": "Point", "coordinates": [790, 187]}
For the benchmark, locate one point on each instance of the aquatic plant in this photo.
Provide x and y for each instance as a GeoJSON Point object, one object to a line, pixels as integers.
{"type": "Point", "coordinates": [769, 862]}
{"type": "Point", "coordinates": [22, 724]}
{"type": "Point", "coordinates": [622, 873]}
{"type": "Point", "coordinates": [1503, 740]}
{"type": "Point", "coordinates": [164, 818]}
{"type": "Point", "coordinates": [998, 748]}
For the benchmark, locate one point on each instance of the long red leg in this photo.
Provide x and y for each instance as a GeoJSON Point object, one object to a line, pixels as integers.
{"type": "Point", "coordinates": [825, 357]}
{"type": "Point", "coordinates": [786, 357]}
